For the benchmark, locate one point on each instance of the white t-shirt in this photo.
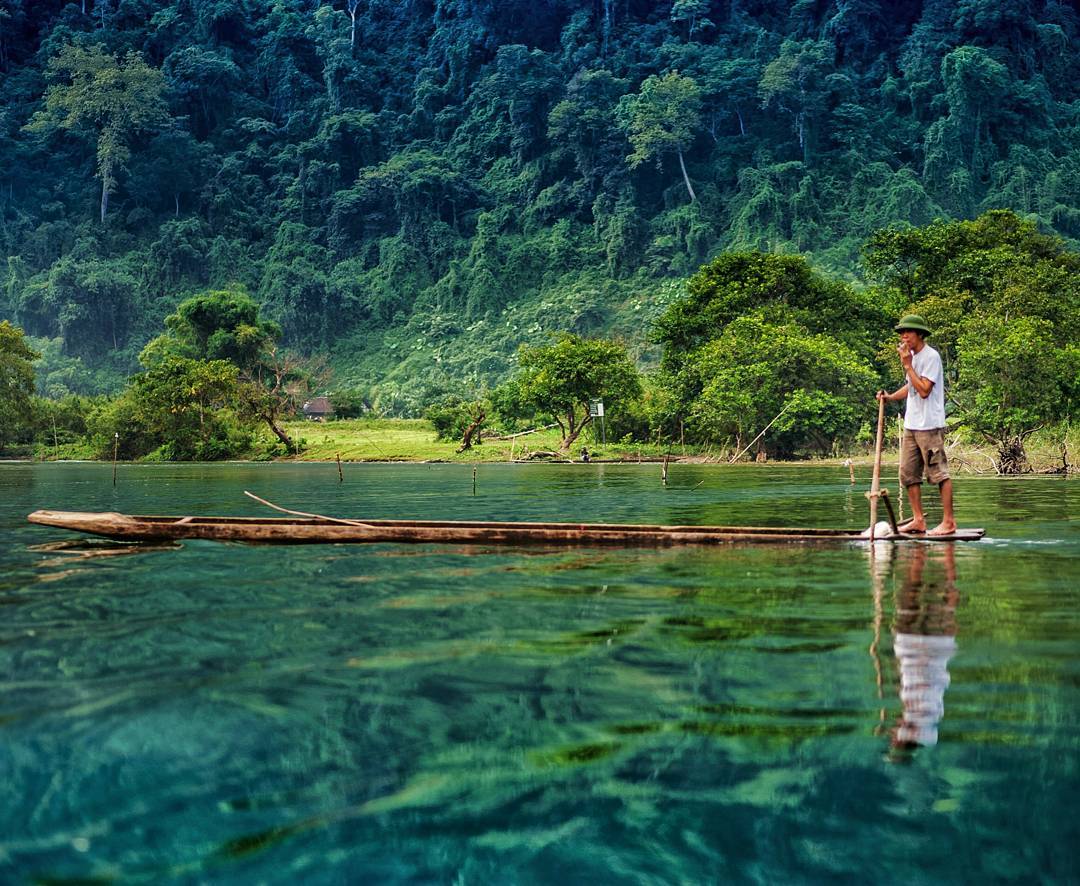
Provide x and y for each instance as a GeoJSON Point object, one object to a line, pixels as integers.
{"type": "Point", "coordinates": [929, 413]}
{"type": "Point", "coordinates": [924, 677]}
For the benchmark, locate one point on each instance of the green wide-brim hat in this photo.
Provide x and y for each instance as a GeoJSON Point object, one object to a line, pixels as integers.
{"type": "Point", "coordinates": [914, 322]}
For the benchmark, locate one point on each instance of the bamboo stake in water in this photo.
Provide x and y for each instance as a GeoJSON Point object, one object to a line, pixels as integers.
{"type": "Point", "coordinates": [663, 471]}
{"type": "Point", "coordinates": [340, 476]}
{"type": "Point", "coordinates": [875, 482]}
{"type": "Point", "coordinates": [115, 452]}
{"type": "Point", "coordinates": [474, 479]}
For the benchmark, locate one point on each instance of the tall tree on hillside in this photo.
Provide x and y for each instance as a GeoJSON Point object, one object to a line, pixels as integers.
{"type": "Point", "coordinates": [662, 118]}
{"type": "Point", "coordinates": [793, 82]}
{"type": "Point", "coordinates": [110, 98]}
{"type": "Point", "coordinates": [692, 13]}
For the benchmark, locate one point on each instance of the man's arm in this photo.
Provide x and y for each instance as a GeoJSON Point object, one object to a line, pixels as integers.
{"type": "Point", "coordinates": [923, 386]}
{"type": "Point", "coordinates": [900, 394]}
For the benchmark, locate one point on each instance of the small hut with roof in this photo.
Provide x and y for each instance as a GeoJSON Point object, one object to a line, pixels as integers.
{"type": "Point", "coordinates": [318, 409]}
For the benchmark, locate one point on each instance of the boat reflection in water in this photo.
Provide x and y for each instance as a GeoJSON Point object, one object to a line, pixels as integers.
{"type": "Point", "coordinates": [924, 630]}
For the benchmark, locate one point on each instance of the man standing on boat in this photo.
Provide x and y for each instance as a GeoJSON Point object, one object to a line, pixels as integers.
{"type": "Point", "coordinates": [923, 446]}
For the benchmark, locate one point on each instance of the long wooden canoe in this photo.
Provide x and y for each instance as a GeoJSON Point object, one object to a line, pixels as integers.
{"type": "Point", "coordinates": [294, 530]}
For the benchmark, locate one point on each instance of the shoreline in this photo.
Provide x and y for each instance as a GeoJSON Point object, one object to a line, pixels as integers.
{"type": "Point", "coordinates": [858, 463]}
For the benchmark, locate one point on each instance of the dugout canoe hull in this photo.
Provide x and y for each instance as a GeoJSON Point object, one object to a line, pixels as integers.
{"type": "Point", "coordinates": [293, 530]}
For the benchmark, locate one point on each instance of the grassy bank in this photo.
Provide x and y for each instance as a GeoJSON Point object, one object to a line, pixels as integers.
{"type": "Point", "coordinates": [414, 440]}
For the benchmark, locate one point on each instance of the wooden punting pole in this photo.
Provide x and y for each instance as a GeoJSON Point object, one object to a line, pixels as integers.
{"type": "Point", "coordinates": [875, 483]}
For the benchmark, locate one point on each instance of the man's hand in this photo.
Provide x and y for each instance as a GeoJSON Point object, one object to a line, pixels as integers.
{"type": "Point", "coordinates": [881, 395]}
{"type": "Point", "coordinates": [905, 355]}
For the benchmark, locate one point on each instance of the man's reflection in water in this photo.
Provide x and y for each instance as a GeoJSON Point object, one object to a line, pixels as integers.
{"type": "Point", "coordinates": [924, 639]}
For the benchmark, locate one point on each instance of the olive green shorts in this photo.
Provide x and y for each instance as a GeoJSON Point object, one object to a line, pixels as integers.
{"type": "Point", "coordinates": [923, 451]}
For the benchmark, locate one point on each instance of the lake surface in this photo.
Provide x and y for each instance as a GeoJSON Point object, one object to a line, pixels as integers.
{"type": "Point", "coordinates": [433, 714]}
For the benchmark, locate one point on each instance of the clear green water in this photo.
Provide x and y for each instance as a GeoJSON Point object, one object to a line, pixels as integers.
{"type": "Point", "coordinates": [230, 714]}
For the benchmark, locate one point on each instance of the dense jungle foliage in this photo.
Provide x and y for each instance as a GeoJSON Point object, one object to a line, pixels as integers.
{"type": "Point", "coordinates": [755, 333]}
{"type": "Point", "coordinates": [416, 187]}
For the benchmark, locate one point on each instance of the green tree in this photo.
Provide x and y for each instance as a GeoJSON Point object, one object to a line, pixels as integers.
{"type": "Point", "coordinates": [349, 403]}
{"type": "Point", "coordinates": [188, 405]}
{"type": "Point", "coordinates": [456, 418]}
{"type": "Point", "coordinates": [225, 325]}
{"type": "Point", "coordinates": [110, 98]}
{"type": "Point", "coordinates": [1003, 300]}
{"type": "Point", "coordinates": [736, 283]}
{"type": "Point", "coordinates": [221, 324]}
{"type": "Point", "coordinates": [1016, 376]}
{"type": "Point", "coordinates": [692, 13]}
{"type": "Point", "coordinates": [560, 379]}
{"type": "Point", "coordinates": [16, 382]}
{"type": "Point", "coordinates": [662, 118]}
{"type": "Point", "coordinates": [816, 388]}
{"type": "Point", "coordinates": [794, 82]}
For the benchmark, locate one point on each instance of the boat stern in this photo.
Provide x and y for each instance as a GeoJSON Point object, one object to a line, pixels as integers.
{"type": "Point", "coordinates": [81, 521]}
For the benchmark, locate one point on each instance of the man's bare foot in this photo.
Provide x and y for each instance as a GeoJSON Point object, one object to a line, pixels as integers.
{"type": "Point", "coordinates": [912, 525]}
{"type": "Point", "coordinates": [943, 529]}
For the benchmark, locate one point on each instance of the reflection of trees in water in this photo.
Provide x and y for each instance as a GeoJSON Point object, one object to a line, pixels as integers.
{"type": "Point", "coordinates": [923, 637]}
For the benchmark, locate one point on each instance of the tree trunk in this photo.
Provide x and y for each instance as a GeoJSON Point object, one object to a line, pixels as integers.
{"type": "Point", "coordinates": [686, 178]}
{"type": "Point", "coordinates": [1013, 457]}
{"type": "Point", "coordinates": [606, 29]}
{"type": "Point", "coordinates": [104, 199]}
{"type": "Point", "coordinates": [571, 433]}
{"type": "Point", "coordinates": [466, 439]}
{"type": "Point", "coordinates": [280, 433]}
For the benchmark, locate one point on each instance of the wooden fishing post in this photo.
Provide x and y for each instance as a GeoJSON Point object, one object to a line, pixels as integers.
{"type": "Point", "coordinates": [875, 483]}
{"type": "Point", "coordinates": [851, 469]}
{"type": "Point", "coordinates": [340, 476]}
{"type": "Point", "coordinates": [663, 470]}
{"type": "Point", "coordinates": [474, 479]}
{"type": "Point", "coordinates": [115, 452]}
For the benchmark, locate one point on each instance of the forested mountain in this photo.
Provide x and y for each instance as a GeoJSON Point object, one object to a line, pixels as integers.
{"type": "Point", "coordinates": [414, 187]}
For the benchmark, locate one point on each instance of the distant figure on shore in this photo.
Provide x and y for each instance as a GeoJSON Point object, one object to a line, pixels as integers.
{"type": "Point", "coordinates": [923, 446]}
{"type": "Point", "coordinates": [584, 454]}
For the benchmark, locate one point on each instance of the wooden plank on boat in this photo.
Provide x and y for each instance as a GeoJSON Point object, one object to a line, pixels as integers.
{"type": "Point", "coordinates": [287, 530]}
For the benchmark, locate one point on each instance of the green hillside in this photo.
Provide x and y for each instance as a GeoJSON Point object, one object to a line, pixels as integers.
{"type": "Point", "coordinates": [416, 188]}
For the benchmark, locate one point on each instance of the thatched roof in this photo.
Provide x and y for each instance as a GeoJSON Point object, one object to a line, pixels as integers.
{"type": "Point", "coordinates": [319, 406]}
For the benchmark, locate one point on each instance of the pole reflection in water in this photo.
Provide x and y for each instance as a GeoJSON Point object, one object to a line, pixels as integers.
{"type": "Point", "coordinates": [924, 631]}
